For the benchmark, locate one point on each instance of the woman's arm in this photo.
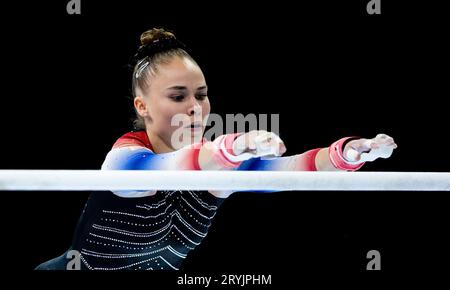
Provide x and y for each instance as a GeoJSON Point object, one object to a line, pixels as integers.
{"type": "Point", "coordinates": [200, 156]}
{"type": "Point", "coordinates": [221, 154]}
{"type": "Point", "coordinates": [323, 162]}
{"type": "Point", "coordinates": [346, 154]}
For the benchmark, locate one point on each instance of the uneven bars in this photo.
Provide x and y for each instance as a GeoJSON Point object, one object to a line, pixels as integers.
{"type": "Point", "coordinates": [87, 180]}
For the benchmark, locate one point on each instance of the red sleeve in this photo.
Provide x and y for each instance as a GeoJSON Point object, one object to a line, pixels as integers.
{"type": "Point", "coordinates": [139, 138]}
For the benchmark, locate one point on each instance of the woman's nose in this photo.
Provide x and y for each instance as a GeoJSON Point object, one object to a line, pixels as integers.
{"type": "Point", "coordinates": [195, 108]}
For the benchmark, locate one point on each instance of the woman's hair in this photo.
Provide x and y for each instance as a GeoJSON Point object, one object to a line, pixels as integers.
{"type": "Point", "coordinates": [158, 46]}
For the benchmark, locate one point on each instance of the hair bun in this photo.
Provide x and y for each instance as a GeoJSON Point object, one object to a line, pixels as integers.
{"type": "Point", "coordinates": [154, 41]}
{"type": "Point", "coordinates": [155, 34]}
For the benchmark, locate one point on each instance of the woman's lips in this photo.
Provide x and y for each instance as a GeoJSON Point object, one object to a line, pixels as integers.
{"type": "Point", "coordinates": [199, 128]}
{"type": "Point", "coordinates": [195, 127]}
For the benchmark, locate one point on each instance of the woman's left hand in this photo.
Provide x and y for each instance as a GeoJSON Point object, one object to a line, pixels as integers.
{"type": "Point", "coordinates": [362, 150]}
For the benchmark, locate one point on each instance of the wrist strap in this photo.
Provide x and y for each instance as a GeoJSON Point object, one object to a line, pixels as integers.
{"type": "Point", "coordinates": [223, 151]}
{"type": "Point", "coordinates": [336, 155]}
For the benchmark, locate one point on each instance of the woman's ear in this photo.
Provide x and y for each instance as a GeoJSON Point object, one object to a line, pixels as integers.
{"type": "Point", "coordinates": [141, 106]}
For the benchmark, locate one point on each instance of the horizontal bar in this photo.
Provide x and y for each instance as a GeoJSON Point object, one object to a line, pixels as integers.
{"type": "Point", "coordinates": [87, 180]}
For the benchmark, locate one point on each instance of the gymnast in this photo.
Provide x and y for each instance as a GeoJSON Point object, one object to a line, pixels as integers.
{"type": "Point", "coordinates": [155, 230]}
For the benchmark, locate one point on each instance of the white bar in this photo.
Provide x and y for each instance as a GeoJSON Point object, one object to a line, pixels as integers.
{"type": "Point", "coordinates": [87, 180]}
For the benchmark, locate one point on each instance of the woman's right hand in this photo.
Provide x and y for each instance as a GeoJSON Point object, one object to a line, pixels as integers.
{"type": "Point", "coordinates": [258, 143]}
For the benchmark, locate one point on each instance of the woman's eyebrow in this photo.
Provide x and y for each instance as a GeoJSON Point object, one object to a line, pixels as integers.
{"type": "Point", "coordinates": [177, 88]}
{"type": "Point", "coordinates": [183, 88]}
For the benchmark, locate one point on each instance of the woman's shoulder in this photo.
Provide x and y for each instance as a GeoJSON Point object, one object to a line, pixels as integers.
{"type": "Point", "coordinates": [133, 138]}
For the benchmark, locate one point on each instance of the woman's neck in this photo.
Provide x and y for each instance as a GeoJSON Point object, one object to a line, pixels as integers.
{"type": "Point", "coordinates": [159, 146]}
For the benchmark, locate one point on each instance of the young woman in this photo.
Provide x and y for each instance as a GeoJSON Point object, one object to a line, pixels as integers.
{"type": "Point", "coordinates": [155, 230]}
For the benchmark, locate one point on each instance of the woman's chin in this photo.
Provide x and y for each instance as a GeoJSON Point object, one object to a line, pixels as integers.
{"type": "Point", "coordinates": [187, 140]}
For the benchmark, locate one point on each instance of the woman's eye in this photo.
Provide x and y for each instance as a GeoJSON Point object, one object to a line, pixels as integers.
{"type": "Point", "coordinates": [178, 98]}
{"type": "Point", "coordinates": [201, 97]}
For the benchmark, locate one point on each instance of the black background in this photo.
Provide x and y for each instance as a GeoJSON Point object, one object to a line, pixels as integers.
{"type": "Point", "coordinates": [328, 68]}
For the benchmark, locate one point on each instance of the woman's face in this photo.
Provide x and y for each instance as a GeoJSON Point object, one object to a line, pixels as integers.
{"type": "Point", "coordinates": [175, 100]}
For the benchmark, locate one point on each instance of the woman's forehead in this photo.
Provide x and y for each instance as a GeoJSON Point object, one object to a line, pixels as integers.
{"type": "Point", "coordinates": [172, 76]}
